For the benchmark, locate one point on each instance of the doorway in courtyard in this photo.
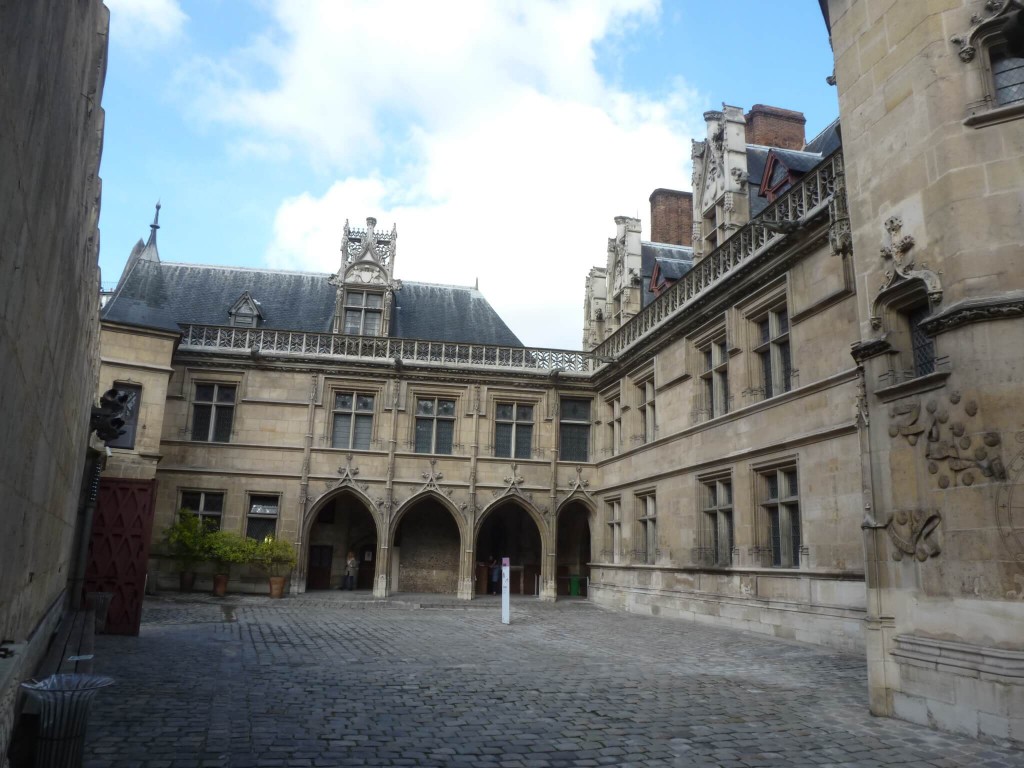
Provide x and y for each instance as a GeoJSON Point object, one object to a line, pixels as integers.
{"type": "Point", "coordinates": [343, 525]}
{"type": "Point", "coordinates": [572, 571]}
{"type": "Point", "coordinates": [509, 531]}
{"type": "Point", "coordinates": [425, 552]}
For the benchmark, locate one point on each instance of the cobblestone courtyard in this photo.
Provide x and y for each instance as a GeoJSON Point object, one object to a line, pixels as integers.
{"type": "Point", "coordinates": [322, 680]}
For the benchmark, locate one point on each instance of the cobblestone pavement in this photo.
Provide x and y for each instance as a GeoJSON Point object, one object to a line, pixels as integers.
{"type": "Point", "coordinates": [309, 681]}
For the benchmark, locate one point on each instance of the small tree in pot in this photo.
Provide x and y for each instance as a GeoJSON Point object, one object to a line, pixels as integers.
{"type": "Point", "coordinates": [276, 558]}
{"type": "Point", "coordinates": [225, 548]}
{"type": "Point", "coordinates": [185, 541]}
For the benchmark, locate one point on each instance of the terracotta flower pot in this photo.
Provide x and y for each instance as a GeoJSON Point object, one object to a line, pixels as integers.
{"type": "Point", "coordinates": [186, 580]}
{"type": "Point", "coordinates": [220, 584]}
{"type": "Point", "coordinates": [277, 586]}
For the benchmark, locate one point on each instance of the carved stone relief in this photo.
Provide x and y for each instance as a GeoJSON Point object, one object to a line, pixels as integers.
{"type": "Point", "coordinates": [955, 455]}
{"type": "Point", "coordinates": [901, 268]}
{"type": "Point", "coordinates": [914, 532]}
{"type": "Point", "coordinates": [1010, 507]}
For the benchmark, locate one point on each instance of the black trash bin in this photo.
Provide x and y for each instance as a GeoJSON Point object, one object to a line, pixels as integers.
{"type": "Point", "coordinates": [63, 712]}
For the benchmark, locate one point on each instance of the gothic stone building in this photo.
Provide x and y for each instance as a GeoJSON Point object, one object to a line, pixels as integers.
{"type": "Point", "coordinates": [714, 452]}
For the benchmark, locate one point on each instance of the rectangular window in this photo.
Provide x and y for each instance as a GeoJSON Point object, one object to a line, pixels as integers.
{"type": "Point", "coordinates": [213, 410]}
{"type": "Point", "coordinates": [513, 430]}
{"type": "Point", "coordinates": [717, 523]}
{"type": "Point", "coordinates": [435, 425]}
{"type": "Point", "coordinates": [715, 379]}
{"type": "Point", "coordinates": [773, 352]}
{"type": "Point", "coordinates": [363, 313]}
{"type": "Point", "coordinates": [780, 507]}
{"type": "Point", "coordinates": [922, 345]}
{"type": "Point", "coordinates": [614, 426]}
{"type": "Point", "coordinates": [574, 430]}
{"type": "Point", "coordinates": [353, 420]}
{"type": "Point", "coordinates": [648, 422]}
{"type": "Point", "coordinates": [209, 506]}
{"type": "Point", "coordinates": [615, 530]}
{"type": "Point", "coordinates": [647, 538]}
{"type": "Point", "coordinates": [129, 414]}
{"type": "Point", "coordinates": [262, 518]}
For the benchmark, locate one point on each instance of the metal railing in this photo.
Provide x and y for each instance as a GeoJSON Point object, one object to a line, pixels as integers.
{"type": "Point", "coordinates": [808, 196]}
{"type": "Point", "coordinates": [196, 338]}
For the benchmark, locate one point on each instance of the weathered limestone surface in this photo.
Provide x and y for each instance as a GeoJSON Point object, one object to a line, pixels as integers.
{"type": "Point", "coordinates": [52, 66]}
{"type": "Point", "coordinates": [936, 182]}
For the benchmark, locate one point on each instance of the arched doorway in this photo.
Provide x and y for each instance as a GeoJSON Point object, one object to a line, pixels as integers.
{"type": "Point", "coordinates": [342, 525]}
{"type": "Point", "coordinates": [509, 531]}
{"type": "Point", "coordinates": [572, 570]}
{"type": "Point", "coordinates": [425, 552]}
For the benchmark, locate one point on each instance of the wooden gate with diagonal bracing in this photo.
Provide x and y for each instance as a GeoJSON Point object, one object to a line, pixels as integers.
{"type": "Point", "coordinates": [119, 549]}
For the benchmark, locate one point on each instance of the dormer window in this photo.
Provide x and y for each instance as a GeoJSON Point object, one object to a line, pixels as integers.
{"type": "Point", "coordinates": [363, 312]}
{"type": "Point", "coordinates": [246, 312]}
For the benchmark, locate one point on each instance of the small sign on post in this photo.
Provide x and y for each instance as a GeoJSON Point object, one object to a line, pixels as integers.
{"type": "Point", "coordinates": [504, 590]}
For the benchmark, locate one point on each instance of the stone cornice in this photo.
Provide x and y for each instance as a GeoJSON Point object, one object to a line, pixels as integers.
{"type": "Point", "coordinates": [986, 309]}
{"type": "Point", "coordinates": [868, 348]}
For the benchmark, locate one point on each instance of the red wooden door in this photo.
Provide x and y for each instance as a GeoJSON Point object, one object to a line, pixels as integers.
{"type": "Point", "coordinates": [119, 548]}
{"type": "Point", "coordinates": [320, 557]}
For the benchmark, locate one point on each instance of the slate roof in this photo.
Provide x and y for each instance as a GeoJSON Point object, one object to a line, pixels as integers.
{"type": "Point", "coordinates": [674, 258]}
{"type": "Point", "coordinates": [165, 295]}
{"type": "Point", "coordinates": [816, 150]}
{"type": "Point", "coordinates": [828, 141]}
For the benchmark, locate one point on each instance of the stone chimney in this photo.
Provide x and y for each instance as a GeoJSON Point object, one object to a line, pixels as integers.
{"type": "Point", "coordinates": [775, 127]}
{"type": "Point", "coordinates": [672, 217]}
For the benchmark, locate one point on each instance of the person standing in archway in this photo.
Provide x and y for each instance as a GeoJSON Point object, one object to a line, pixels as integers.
{"type": "Point", "coordinates": [494, 573]}
{"type": "Point", "coordinates": [351, 569]}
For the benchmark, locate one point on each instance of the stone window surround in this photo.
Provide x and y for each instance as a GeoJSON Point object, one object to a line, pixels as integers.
{"type": "Point", "coordinates": [194, 376]}
{"type": "Point", "coordinates": [435, 394]}
{"type": "Point", "coordinates": [249, 516]}
{"type": "Point", "coordinates": [562, 421]}
{"type": "Point", "coordinates": [723, 511]}
{"type": "Point", "coordinates": [763, 551]}
{"type": "Point", "coordinates": [714, 339]}
{"type": "Point", "coordinates": [364, 310]}
{"type": "Point", "coordinates": [769, 305]}
{"type": "Point", "coordinates": [646, 516]}
{"type": "Point", "coordinates": [354, 413]}
{"type": "Point", "coordinates": [614, 550]}
{"type": "Point", "coordinates": [613, 434]}
{"type": "Point", "coordinates": [646, 406]}
{"type": "Point", "coordinates": [517, 424]}
{"type": "Point", "coordinates": [331, 387]}
{"type": "Point", "coordinates": [986, 111]}
{"type": "Point", "coordinates": [202, 511]}
{"type": "Point", "coordinates": [215, 404]}
{"type": "Point", "coordinates": [897, 304]}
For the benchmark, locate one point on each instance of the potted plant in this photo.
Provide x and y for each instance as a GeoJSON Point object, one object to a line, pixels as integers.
{"type": "Point", "coordinates": [186, 543]}
{"type": "Point", "coordinates": [276, 558]}
{"type": "Point", "coordinates": [224, 548]}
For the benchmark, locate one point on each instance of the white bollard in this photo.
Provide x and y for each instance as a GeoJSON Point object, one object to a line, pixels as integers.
{"type": "Point", "coordinates": [504, 590]}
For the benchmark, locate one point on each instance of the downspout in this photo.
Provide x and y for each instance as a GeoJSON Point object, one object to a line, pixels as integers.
{"type": "Point", "coordinates": [86, 515]}
{"type": "Point", "coordinates": [307, 452]}
{"type": "Point", "coordinates": [470, 551]}
{"type": "Point", "coordinates": [382, 587]}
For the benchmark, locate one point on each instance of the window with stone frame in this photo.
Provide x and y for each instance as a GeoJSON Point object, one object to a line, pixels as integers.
{"type": "Point", "coordinates": [261, 520]}
{"type": "Point", "coordinates": [513, 430]}
{"type": "Point", "coordinates": [716, 521]}
{"type": "Point", "coordinates": [213, 412]}
{"type": "Point", "coordinates": [996, 48]}
{"type": "Point", "coordinates": [774, 374]}
{"type": "Point", "coordinates": [646, 411]}
{"type": "Point", "coordinates": [208, 506]}
{"type": "Point", "coordinates": [129, 414]}
{"type": "Point", "coordinates": [435, 425]}
{"type": "Point", "coordinates": [363, 312]}
{"type": "Point", "coordinates": [646, 543]}
{"type": "Point", "coordinates": [779, 525]}
{"type": "Point", "coordinates": [613, 407]}
{"type": "Point", "coordinates": [904, 309]}
{"type": "Point", "coordinates": [614, 543]}
{"type": "Point", "coordinates": [352, 420]}
{"type": "Point", "coordinates": [574, 429]}
{"type": "Point", "coordinates": [713, 397]}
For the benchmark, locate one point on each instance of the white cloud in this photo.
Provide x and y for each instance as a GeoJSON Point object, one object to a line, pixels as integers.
{"type": "Point", "coordinates": [483, 130]}
{"type": "Point", "coordinates": [140, 23]}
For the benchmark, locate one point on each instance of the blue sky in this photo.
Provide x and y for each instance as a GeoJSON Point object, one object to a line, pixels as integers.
{"type": "Point", "coordinates": [501, 138]}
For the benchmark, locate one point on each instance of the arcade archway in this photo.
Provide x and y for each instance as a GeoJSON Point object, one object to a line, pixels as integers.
{"type": "Point", "coordinates": [572, 570]}
{"type": "Point", "coordinates": [426, 549]}
{"type": "Point", "coordinates": [508, 530]}
{"type": "Point", "coordinates": [342, 525]}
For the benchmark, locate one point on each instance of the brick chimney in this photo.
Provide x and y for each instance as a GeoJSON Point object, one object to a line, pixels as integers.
{"type": "Point", "coordinates": [672, 217]}
{"type": "Point", "coordinates": [775, 127]}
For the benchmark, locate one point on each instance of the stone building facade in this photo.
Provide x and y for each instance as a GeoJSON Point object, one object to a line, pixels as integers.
{"type": "Point", "coordinates": [931, 97]}
{"type": "Point", "coordinates": [49, 194]}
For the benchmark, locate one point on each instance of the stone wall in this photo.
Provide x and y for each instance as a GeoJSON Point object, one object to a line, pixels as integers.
{"type": "Point", "coordinates": [52, 65]}
{"type": "Point", "coordinates": [429, 551]}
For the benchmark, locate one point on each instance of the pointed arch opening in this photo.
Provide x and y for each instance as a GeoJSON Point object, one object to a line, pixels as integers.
{"type": "Point", "coordinates": [341, 525]}
{"type": "Point", "coordinates": [426, 548]}
{"type": "Point", "coordinates": [508, 529]}
{"type": "Point", "coordinates": [574, 548]}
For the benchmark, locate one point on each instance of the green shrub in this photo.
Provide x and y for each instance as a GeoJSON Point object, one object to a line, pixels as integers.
{"type": "Point", "coordinates": [275, 557]}
{"type": "Point", "coordinates": [185, 540]}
